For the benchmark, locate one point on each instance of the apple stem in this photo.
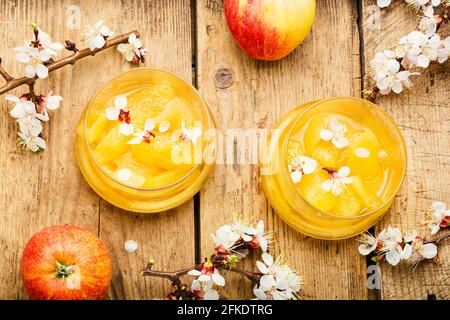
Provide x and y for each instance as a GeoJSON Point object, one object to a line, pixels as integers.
{"type": "Point", "coordinates": [63, 271]}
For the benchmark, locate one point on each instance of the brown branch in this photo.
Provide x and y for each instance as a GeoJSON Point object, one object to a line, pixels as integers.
{"type": "Point", "coordinates": [14, 83]}
{"type": "Point", "coordinates": [4, 74]}
{"type": "Point", "coordinates": [438, 240]}
{"type": "Point", "coordinates": [176, 275]}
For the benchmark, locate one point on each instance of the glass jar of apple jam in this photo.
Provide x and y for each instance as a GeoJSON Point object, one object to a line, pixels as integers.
{"type": "Point", "coordinates": [142, 141]}
{"type": "Point", "coordinates": [333, 167]}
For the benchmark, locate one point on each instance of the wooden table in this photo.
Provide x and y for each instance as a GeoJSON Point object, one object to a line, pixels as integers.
{"type": "Point", "coordinates": [191, 39]}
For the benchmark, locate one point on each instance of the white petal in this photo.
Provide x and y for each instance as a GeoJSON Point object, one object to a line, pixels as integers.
{"type": "Point", "coordinates": [164, 126]}
{"type": "Point", "coordinates": [429, 251]}
{"type": "Point", "coordinates": [393, 65]}
{"type": "Point", "coordinates": [211, 295]}
{"type": "Point", "coordinates": [267, 258]}
{"type": "Point", "coordinates": [410, 236]}
{"type": "Point", "coordinates": [438, 206]}
{"type": "Point", "coordinates": [204, 278]}
{"type": "Point", "coordinates": [266, 282]}
{"type": "Point", "coordinates": [12, 98]}
{"type": "Point", "coordinates": [131, 246]}
{"type": "Point", "coordinates": [435, 229]}
{"type": "Point", "coordinates": [194, 273]}
{"type": "Point", "coordinates": [122, 47]}
{"type": "Point", "coordinates": [309, 165]}
{"type": "Point", "coordinates": [340, 142]}
{"type": "Point", "coordinates": [296, 176]}
{"type": "Point", "coordinates": [365, 250]}
{"type": "Point", "coordinates": [126, 129]}
{"type": "Point", "coordinates": [56, 46]}
{"type": "Point", "coordinates": [260, 227]}
{"type": "Point", "coordinates": [337, 188]}
{"type": "Point", "coordinates": [23, 57]}
{"type": "Point", "coordinates": [383, 3]}
{"type": "Point", "coordinates": [124, 174]}
{"type": "Point", "coordinates": [98, 42]}
{"type": "Point", "coordinates": [53, 102]}
{"type": "Point", "coordinates": [150, 124]}
{"type": "Point", "coordinates": [132, 38]}
{"type": "Point", "coordinates": [343, 172]}
{"type": "Point", "coordinates": [30, 71]}
{"type": "Point", "coordinates": [326, 134]}
{"type": "Point", "coordinates": [362, 152]}
{"type": "Point", "coordinates": [120, 102]}
{"type": "Point", "coordinates": [41, 71]}
{"type": "Point", "coordinates": [40, 143]}
{"type": "Point", "coordinates": [17, 111]}
{"type": "Point", "coordinates": [262, 267]}
{"type": "Point", "coordinates": [263, 244]}
{"type": "Point", "coordinates": [406, 252]}
{"type": "Point", "coordinates": [423, 61]}
{"type": "Point", "coordinates": [259, 293]}
{"type": "Point", "coordinates": [218, 279]}
{"type": "Point", "coordinates": [112, 113]}
{"type": "Point", "coordinates": [393, 257]}
{"type": "Point", "coordinates": [327, 185]}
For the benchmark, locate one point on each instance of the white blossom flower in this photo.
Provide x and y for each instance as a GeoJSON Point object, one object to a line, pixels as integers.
{"type": "Point", "coordinates": [383, 3]}
{"type": "Point", "coordinates": [28, 137]}
{"type": "Point", "coordinates": [387, 73]}
{"type": "Point", "coordinates": [22, 106]}
{"type": "Point", "coordinates": [391, 240]}
{"type": "Point", "coordinates": [119, 111]}
{"type": "Point", "coordinates": [131, 50]}
{"type": "Point", "coordinates": [417, 4]}
{"type": "Point", "coordinates": [335, 133]}
{"type": "Point", "coordinates": [131, 246]}
{"type": "Point", "coordinates": [300, 165]}
{"type": "Point", "coordinates": [368, 244]}
{"type": "Point", "coordinates": [337, 181]}
{"type": "Point", "coordinates": [32, 143]}
{"type": "Point", "coordinates": [204, 290]}
{"type": "Point", "coordinates": [439, 217]}
{"type": "Point", "coordinates": [45, 43]}
{"type": "Point", "coordinates": [33, 60]}
{"type": "Point", "coordinates": [444, 50]}
{"type": "Point", "coordinates": [416, 250]}
{"type": "Point", "coordinates": [427, 23]}
{"type": "Point", "coordinates": [422, 49]}
{"type": "Point", "coordinates": [147, 134]}
{"type": "Point", "coordinates": [362, 153]}
{"type": "Point", "coordinates": [208, 273]}
{"type": "Point", "coordinates": [51, 102]}
{"type": "Point", "coordinates": [191, 133]}
{"type": "Point", "coordinates": [262, 238]}
{"type": "Point", "coordinates": [225, 237]}
{"type": "Point", "coordinates": [95, 35]}
{"type": "Point", "coordinates": [279, 281]}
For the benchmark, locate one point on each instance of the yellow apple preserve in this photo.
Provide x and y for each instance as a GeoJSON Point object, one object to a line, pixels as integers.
{"type": "Point", "coordinates": [333, 167]}
{"type": "Point", "coordinates": [141, 141]}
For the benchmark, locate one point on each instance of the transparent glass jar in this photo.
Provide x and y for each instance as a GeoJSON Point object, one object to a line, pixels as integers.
{"type": "Point", "coordinates": [129, 196]}
{"type": "Point", "coordinates": [291, 204]}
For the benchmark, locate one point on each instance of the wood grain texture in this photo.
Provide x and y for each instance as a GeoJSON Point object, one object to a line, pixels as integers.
{"type": "Point", "coordinates": [326, 64]}
{"type": "Point", "coordinates": [47, 188]}
{"type": "Point", "coordinates": [423, 115]}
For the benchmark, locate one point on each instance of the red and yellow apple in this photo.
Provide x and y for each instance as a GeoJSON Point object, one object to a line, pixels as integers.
{"type": "Point", "coordinates": [66, 263]}
{"type": "Point", "coordinates": [269, 29]}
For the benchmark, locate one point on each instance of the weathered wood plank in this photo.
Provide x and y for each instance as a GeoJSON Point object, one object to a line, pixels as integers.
{"type": "Point", "coordinates": [423, 115]}
{"type": "Point", "coordinates": [168, 237]}
{"type": "Point", "coordinates": [38, 190]}
{"type": "Point", "coordinates": [327, 64]}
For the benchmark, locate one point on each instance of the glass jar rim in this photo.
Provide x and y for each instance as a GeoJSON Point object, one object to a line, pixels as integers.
{"type": "Point", "coordinates": [393, 127]}
{"type": "Point", "coordinates": [189, 85]}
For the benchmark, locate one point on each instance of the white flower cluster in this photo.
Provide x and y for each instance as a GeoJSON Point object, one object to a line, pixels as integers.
{"type": "Point", "coordinates": [232, 243]}
{"type": "Point", "coordinates": [438, 217]}
{"type": "Point", "coordinates": [36, 53]}
{"type": "Point", "coordinates": [279, 281]}
{"type": "Point", "coordinates": [25, 111]}
{"type": "Point", "coordinates": [392, 69]}
{"type": "Point", "coordinates": [413, 3]}
{"type": "Point", "coordinates": [392, 246]}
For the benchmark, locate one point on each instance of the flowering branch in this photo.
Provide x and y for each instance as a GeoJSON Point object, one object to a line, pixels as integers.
{"type": "Point", "coordinates": [275, 279]}
{"type": "Point", "coordinates": [392, 69]}
{"type": "Point", "coordinates": [70, 60]}
{"type": "Point", "coordinates": [38, 55]}
{"type": "Point", "coordinates": [391, 246]}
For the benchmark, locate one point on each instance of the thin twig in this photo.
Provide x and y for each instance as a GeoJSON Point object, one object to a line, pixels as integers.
{"type": "Point", "coordinates": [438, 240]}
{"type": "Point", "coordinates": [176, 275]}
{"type": "Point", "coordinates": [4, 74]}
{"type": "Point", "coordinates": [14, 83]}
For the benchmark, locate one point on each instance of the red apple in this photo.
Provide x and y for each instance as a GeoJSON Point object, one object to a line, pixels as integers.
{"type": "Point", "coordinates": [66, 263]}
{"type": "Point", "coordinates": [269, 29]}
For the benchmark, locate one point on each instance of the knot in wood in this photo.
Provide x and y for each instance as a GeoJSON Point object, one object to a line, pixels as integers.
{"type": "Point", "coordinates": [223, 78]}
